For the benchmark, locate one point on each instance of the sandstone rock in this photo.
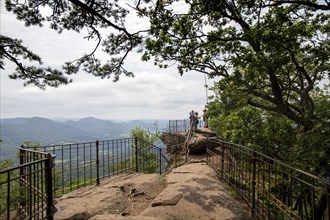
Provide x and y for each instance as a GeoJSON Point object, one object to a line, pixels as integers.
{"type": "Point", "coordinates": [206, 132]}
{"type": "Point", "coordinates": [191, 191]}
{"type": "Point", "coordinates": [80, 216]}
{"type": "Point", "coordinates": [168, 202]}
{"type": "Point", "coordinates": [120, 217]}
{"type": "Point", "coordinates": [135, 192]}
{"type": "Point", "coordinates": [197, 143]}
{"type": "Point", "coordinates": [172, 139]}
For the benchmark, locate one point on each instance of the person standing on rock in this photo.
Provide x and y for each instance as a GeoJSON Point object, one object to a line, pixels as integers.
{"type": "Point", "coordinates": [195, 121]}
{"type": "Point", "coordinates": [205, 118]}
{"type": "Point", "coordinates": [191, 116]}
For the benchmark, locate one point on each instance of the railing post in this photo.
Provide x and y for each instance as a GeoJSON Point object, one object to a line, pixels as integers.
{"type": "Point", "coordinates": [97, 164]}
{"type": "Point", "coordinates": [254, 185]}
{"type": "Point", "coordinates": [222, 160]}
{"type": "Point", "coordinates": [136, 155]}
{"type": "Point", "coordinates": [22, 179]}
{"type": "Point", "coordinates": [207, 154]}
{"type": "Point", "coordinates": [21, 161]}
{"type": "Point", "coordinates": [176, 156]}
{"type": "Point", "coordinates": [160, 161]}
{"type": "Point", "coordinates": [8, 196]}
{"type": "Point", "coordinates": [328, 199]}
{"type": "Point", "coordinates": [50, 211]}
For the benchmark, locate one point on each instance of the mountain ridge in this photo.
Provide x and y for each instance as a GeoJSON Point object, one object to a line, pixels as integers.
{"type": "Point", "coordinates": [15, 131]}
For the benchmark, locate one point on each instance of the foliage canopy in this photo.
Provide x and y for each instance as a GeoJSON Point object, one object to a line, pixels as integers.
{"type": "Point", "coordinates": [144, 149]}
{"type": "Point", "coordinates": [271, 55]}
{"type": "Point", "coordinates": [78, 16]}
{"type": "Point", "coordinates": [274, 52]}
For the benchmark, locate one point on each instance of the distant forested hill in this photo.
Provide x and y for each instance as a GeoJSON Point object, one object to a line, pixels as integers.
{"type": "Point", "coordinates": [104, 128]}
{"type": "Point", "coordinates": [14, 132]}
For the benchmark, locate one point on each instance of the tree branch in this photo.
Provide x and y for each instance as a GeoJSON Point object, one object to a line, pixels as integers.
{"type": "Point", "coordinates": [265, 107]}
{"type": "Point", "coordinates": [305, 3]}
{"type": "Point", "coordinates": [95, 13]}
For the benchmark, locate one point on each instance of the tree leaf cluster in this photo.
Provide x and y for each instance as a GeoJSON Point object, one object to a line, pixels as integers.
{"type": "Point", "coordinates": [272, 133]}
{"type": "Point", "coordinates": [274, 53]}
{"type": "Point", "coordinates": [102, 20]}
{"type": "Point", "coordinates": [146, 157]}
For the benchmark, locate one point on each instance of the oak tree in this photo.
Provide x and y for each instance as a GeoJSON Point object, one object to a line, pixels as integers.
{"type": "Point", "coordinates": [276, 53]}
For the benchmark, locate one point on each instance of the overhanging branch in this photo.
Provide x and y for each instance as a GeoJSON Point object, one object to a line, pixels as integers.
{"type": "Point", "coordinates": [265, 107]}
{"type": "Point", "coordinates": [305, 3]}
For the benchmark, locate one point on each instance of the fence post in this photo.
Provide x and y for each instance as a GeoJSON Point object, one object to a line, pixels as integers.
{"type": "Point", "coordinates": [176, 156]}
{"type": "Point", "coordinates": [8, 195]}
{"type": "Point", "coordinates": [253, 211]}
{"type": "Point", "coordinates": [160, 161]}
{"type": "Point", "coordinates": [328, 199]}
{"type": "Point", "coordinates": [21, 161]}
{"type": "Point", "coordinates": [207, 154]}
{"type": "Point", "coordinates": [136, 155]}
{"type": "Point", "coordinates": [50, 211]}
{"type": "Point", "coordinates": [22, 154]}
{"type": "Point", "coordinates": [97, 164]}
{"type": "Point", "coordinates": [22, 181]}
{"type": "Point", "coordinates": [222, 159]}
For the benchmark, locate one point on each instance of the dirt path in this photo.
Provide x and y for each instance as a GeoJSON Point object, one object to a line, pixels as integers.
{"type": "Point", "coordinates": [191, 191]}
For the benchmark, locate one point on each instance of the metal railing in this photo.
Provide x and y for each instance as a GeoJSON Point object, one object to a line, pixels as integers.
{"type": "Point", "coordinates": [183, 125]}
{"type": "Point", "coordinates": [177, 155]}
{"type": "Point", "coordinates": [82, 164]}
{"type": "Point", "coordinates": [175, 126]}
{"type": "Point", "coordinates": [26, 190]}
{"type": "Point", "coordinates": [272, 189]}
{"type": "Point", "coordinates": [150, 159]}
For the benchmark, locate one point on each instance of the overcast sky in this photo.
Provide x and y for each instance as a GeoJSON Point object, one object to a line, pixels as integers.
{"type": "Point", "coordinates": [152, 94]}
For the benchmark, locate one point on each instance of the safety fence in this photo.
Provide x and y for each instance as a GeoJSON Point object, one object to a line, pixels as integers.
{"type": "Point", "coordinates": [26, 190]}
{"type": "Point", "coordinates": [83, 164]}
{"type": "Point", "coordinates": [75, 165]}
{"type": "Point", "coordinates": [177, 155]}
{"type": "Point", "coordinates": [272, 189]}
{"type": "Point", "coordinates": [176, 126]}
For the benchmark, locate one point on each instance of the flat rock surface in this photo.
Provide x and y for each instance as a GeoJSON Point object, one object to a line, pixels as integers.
{"type": "Point", "coordinates": [122, 195]}
{"type": "Point", "coordinates": [195, 192]}
{"type": "Point", "coordinates": [191, 191]}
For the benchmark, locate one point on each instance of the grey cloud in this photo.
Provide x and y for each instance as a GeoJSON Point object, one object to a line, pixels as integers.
{"type": "Point", "coordinates": [153, 94]}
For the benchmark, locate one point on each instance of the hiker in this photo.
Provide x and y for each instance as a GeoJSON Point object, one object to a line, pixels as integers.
{"type": "Point", "coordinates": [191, 116]}
{"type": "Point", "coordinates": [205, 118]}
{"type": "Point", "coordinates": [195, 121]}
